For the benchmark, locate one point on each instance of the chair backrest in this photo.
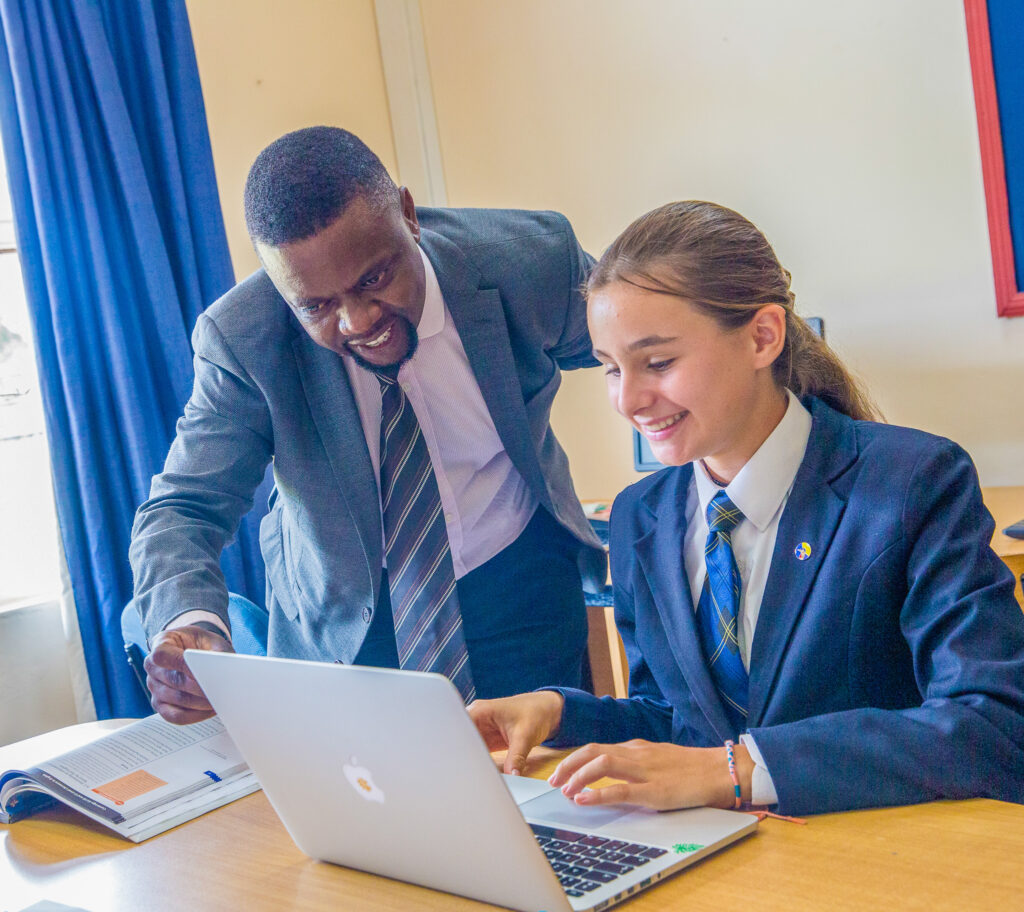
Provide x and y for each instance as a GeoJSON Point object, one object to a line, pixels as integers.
{"type": "Point", "coordinates": [249, 625]}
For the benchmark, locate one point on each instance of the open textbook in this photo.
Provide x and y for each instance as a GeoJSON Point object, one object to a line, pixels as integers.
{"type": "Point", "coordinates": [138, 780]}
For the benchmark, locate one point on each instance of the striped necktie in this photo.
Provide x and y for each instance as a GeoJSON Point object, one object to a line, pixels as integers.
{"type": "Point", "coordinates": [718, 609]}
{"type": "Point", "coordinates": [425, 604]}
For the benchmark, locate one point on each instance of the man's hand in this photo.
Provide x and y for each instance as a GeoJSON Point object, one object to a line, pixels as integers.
{"type": "Point", "coordinates": [175, 694]}
{"type": "Point", "coordinates": [655, 775]}
{"type": "Point", "coordinates": [518, 723]}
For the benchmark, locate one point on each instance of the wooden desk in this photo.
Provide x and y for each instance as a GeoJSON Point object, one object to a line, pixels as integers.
{"type": "Point", "coordinates": [947, 855]}
{"type": "Point", "coordinates": [1007, 507]}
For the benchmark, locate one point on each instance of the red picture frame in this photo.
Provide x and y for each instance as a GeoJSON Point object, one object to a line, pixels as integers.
{"type": "Point", "coordinates": [1009, 297]}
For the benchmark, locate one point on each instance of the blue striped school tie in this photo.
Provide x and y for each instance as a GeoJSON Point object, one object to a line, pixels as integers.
{"type": "Point", "coordinates": [428, 623]}
{"type": "Point", "coordinates": [718, 609]}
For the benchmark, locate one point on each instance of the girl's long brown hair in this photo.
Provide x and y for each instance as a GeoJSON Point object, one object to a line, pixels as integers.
{"type": "Point", "coordinates": [720, 262]}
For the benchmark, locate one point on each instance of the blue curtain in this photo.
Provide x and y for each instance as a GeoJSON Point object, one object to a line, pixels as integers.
{"type": "Point", "coordinates": [122, 244]}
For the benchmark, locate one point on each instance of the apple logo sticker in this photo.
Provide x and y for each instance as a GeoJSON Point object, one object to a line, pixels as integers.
{"type": "Point", "coordinates": [361, 779]}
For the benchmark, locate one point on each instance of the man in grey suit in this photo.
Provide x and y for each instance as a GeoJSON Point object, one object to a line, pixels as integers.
{"type": "Point", "coordinates": [380, 348]}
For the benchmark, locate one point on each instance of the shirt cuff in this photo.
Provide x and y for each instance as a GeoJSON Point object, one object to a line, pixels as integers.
{"type": "Point", "coordinates": [762, 787]}
{"type": "Point", "coordinates": [191, 617]}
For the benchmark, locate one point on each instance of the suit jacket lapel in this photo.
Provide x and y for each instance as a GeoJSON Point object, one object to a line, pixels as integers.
{"type": "Point", "coordinates": [660, 556]}
{"type": "Point", "coordinates": [480, 321]}
{"type": "Point", "coordinates": [336, 416]}
{"type": "Point", "coordinates": [810, 517]}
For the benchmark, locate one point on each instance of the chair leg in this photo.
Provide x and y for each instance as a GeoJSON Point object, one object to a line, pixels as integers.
{"type": "Point", "coordinates": [608, 666]}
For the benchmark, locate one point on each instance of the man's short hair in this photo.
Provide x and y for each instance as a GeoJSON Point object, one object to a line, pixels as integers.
{"type": "Point", "coordinates": [303, 181]}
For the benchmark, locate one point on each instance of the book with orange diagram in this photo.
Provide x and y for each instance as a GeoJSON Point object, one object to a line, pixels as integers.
{"type": "Point", "coordinates": [139, 780]}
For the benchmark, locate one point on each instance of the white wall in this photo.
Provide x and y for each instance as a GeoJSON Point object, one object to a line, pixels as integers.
{"type": "Point", "coordinates": [268, 67]}
{"type": "Point", "coordinates": [35, 683]}
{"type": "Point", "coordinates": [846, 131]}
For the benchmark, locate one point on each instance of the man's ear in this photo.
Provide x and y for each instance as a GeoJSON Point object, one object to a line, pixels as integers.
{"type": "Point", "coordinates": [768, 330]}
{"type": "Point", "coordinates": [409, 212]}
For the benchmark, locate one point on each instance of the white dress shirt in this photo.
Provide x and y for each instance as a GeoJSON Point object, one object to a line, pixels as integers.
{"type": "Point", "coordinates": [486, 502]}
{"type": "Point", "coordinates": [760, 491]}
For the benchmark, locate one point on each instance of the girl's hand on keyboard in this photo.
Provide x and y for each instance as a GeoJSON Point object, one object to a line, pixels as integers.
{"type": "Point", "coordinates": [659, 776]}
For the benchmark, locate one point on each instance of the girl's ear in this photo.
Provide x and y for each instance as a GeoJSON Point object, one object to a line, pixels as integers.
{"type": "Point", "coordinates": [768, 329]}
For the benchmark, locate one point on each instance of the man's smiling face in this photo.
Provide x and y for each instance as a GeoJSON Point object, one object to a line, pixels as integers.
{"type": "Point", "coordinates": [357, 286]}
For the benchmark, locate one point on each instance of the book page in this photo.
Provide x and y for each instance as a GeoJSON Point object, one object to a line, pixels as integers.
{"type": "Point", "coordinates": [144, 765]}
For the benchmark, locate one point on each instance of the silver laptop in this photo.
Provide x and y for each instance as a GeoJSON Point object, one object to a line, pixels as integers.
{"type": "Point", "coordinates": [383, 771]}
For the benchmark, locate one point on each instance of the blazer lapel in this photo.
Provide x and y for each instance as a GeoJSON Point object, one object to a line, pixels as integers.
{"type": "Point", "coordinates": [810, 518]}
{"type": "Point", "coordinates": [659, 553]}
{"type": "Point", "coordinates": [336, 416]}
{"type": "Point", "coordinates": [480, 321]}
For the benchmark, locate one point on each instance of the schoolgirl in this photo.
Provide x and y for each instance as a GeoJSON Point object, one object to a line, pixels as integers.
{"type": "Point", "coordinates": [811, 611]}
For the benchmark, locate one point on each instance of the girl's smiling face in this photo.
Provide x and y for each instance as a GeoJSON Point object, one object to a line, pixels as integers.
{"type": "Point", "coordinates": [692, 388]}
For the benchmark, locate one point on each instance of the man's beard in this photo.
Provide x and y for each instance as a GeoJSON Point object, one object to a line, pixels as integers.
{"type": "Point", "coordinates": [391, 370]}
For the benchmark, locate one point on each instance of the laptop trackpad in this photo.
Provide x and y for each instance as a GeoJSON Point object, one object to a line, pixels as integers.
{"type": "Point", "coordinates": [555, 809]}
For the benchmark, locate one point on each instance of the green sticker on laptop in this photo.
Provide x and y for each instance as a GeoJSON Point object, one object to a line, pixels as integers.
{"type": "Point", "coordinates": [684, 848]}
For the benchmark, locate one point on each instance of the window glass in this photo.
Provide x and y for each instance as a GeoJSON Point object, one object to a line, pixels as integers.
{"type": "Point", "coordinates": [28, 526]}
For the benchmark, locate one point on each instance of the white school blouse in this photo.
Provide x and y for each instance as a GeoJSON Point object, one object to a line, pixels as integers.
{"type": "Point", "coordinates": [760, 490]}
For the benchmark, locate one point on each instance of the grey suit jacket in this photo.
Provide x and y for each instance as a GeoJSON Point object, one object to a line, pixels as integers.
{"type": "Point", "coordinates": [264, 390]}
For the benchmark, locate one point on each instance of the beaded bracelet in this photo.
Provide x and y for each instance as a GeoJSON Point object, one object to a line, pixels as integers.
{"type": "Point", "coordinates": [731, 760]}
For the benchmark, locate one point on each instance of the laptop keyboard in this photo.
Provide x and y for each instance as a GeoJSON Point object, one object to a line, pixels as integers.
{"type": "Point", "coordinates": [584, 863]}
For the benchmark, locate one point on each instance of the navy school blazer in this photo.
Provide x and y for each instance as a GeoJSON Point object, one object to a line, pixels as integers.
{"type": "Point", "coordinates": [886, 668]}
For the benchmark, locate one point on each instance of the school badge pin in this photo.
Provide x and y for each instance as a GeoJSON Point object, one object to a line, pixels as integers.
{"type": "Point", "coordinates": [802, 551]}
